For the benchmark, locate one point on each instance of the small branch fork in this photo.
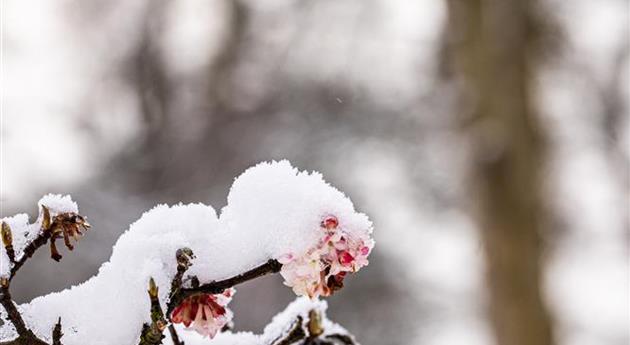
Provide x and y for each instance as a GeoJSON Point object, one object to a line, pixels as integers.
{"type": "Point", "coordinates": [68, 225]}
{"type": "Point", "coordinates": [311, 334]}
{"type": "Point", "coordinates": [64, 225]}
{"type": "Point", "coordinates": [153, 333]}
{"type": "Point", "coordinates": [216, 287]}
{"type": "Point", "coordinates": [178, 293]}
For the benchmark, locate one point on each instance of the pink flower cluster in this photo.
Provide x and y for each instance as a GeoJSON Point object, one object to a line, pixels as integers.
{"type": "Point", "coordinates": [321, 270]}
{"type": "Point", "coordinates": [207, 313]}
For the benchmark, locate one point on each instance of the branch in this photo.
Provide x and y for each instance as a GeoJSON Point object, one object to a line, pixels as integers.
{"type": "Point", "coordinates": [342, 338]}
{"type": "Point", "coordinates": [153, 334]}
{"type": "Point", "coordinates": [217, 287]}
{"type": "Point", "coordinates": [174, 335]}
{"type": "Point", "coordinates": [39, 241]}
{"type": "Point", "coordinates": [12, 312]}
{"type": "Point", "coordinates": [296, 333]}
{"type": "Point", "coordinates": [64, 225]}
{"type": "Point", "coordinates": [5, 295]}
{"type": "Point", "coordinates": [25, 335]}
{"type": "Point", "coordinates": [57, 334]}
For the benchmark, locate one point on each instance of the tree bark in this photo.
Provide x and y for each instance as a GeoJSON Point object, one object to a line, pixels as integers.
{"type": "Point", "coordinates": [492, 44]}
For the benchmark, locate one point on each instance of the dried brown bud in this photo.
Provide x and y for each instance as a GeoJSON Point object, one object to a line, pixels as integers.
{"type": "Point", "coordinates": [45, 218]}
{"type": "Point", "coordinates": [4, 282]}
{"type": "Point", "coordinates": [7, 237]}
{"type": "Point", "coordinates": [66, 226]}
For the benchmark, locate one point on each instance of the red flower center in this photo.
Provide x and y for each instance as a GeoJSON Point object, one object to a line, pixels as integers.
{"type": "Point", "coordinates": [330, 222]}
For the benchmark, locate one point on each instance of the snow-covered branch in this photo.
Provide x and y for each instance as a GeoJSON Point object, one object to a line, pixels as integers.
{"type": "Point", "coordinates": [217, 287]}
{"type": "Point", "coordinates": [277, 220]}
{"type": "Point", "coordinates": [63, 222]}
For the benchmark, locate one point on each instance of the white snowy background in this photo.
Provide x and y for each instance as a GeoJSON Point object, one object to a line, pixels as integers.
{"type": "Point", "coordinates": [349, 88]}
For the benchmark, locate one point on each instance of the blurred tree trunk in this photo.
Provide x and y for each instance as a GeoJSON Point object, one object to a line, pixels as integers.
{"type": "Point", "coordinates": [182, 133]}
{"type": "Point", "coordinates": [492, 44]}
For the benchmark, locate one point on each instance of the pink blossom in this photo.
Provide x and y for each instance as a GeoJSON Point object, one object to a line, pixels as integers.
{"type": "Point", "coordinates": [320, 271]}
{"type": "Point", "coordinates": [206, 313]}
{"type": "Point", "coordinates": [330, 222]}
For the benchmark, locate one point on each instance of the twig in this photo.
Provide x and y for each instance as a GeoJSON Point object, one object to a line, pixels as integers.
{"type": "Point", "coordinates": [154, 333]}
{"type": "Point", "coordinates": [343, 338]}
{"type": "Point", "coordinates": [295, 333]}
{"type": "Point", "coordinates": [25, 335]}
{"type": "Point", "coordinates": [217, 287]}
{"type": "Point", "coordinates": [64, 224]}
{"type": "Point", "coordinates": [174, 335]}
{"type": "Point", "coordinates": [12, 312]}
{"type": "Point", "coordinates": [30, 249]}
{"type": "Point", "coordinates": [69, 221]}
{"type": "Point", "coordinates": [57, 334]}
{"type": "Point", "coordinates": [184, 257]}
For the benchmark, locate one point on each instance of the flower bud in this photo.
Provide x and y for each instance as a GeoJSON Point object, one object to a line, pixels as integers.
{"type": "Point", "coordinates": [7, 237]}
{"type": "Point", "coordinates": [330, 222]}
{"type": "Point", "coordinates": [45, 218]}
{"type": "Point", "coordinates": [205, 313]}
{"type": "Point", "coordinates": [315, 323]}
{"type": "Point", "coordinates": [153, 289]}
{"type": "Point", "coordinates": [184, 256]}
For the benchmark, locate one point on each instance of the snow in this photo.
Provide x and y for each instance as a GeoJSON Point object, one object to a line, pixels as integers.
{"type": "Point", "coordinates": [7, 331]}
{"type": "Point", "coordinates": [5, 266]}
{"type": "Point", "coordinates": [277, 199]}
{"type": "Point", "coordinates": [24, 233]}
{"type": "Point", "coordinates": [278, 327]}
{"type": "Point", "coordinates": [300, 307]}
{"type": "Point", "coordinates": [58, 204]}
{"type": "Point", "coordinates": [272, 209]}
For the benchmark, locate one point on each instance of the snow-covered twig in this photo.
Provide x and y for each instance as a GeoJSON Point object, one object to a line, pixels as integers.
{"type": "Point", "coordinates": [217, 287]}
{"type": "Point", "coordinates": [277, 219]}
{"type": "Point", "coordinates": [153, 334]}
{"type": "Point", "coordinates": [312, 333]}
{"type": "Point", "coordinates": [12, 313]}
{"type": "Point", "coordinates": [57, 334]}
{"type": "Point", "coordinates": [174, 335]}
{"type": "Point", "coordinates": [63, 224]}
{"type": "Point", "coordinates": [294, 334]}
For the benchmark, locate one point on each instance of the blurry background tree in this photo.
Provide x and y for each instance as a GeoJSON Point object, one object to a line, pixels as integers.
{"type": "Point", "coordinates": [496, 45]}
{"type": "Point", "coordinates": [125, 104]}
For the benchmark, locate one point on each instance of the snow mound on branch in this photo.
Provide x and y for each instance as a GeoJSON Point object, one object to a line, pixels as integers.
{"type": "Point", "coordinates": [300, 307]}
{"type": "Point", "coordinates": [24, 233]}
{"type": "Point", "coordinates": [58, 204]}
{"type": "Point", "coordinates": [272, 209]}
{"type": "Point", "coordinates": [277, 329]}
